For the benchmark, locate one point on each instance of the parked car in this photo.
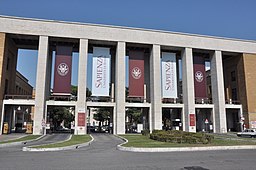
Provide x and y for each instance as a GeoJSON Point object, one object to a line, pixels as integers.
{"type": "Point", "coordinates": [247, 133]}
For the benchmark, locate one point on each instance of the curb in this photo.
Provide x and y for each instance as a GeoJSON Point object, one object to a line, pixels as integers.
{"type": "Point", "coordinates": [20, 143]}
{"type": "Point", "coordinates": [181, 149]}
{"type": "Point", "coordinates": [29, 149]}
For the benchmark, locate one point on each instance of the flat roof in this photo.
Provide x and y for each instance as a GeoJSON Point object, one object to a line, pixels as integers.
{"type": "Point", "coordinates": [55, 28]}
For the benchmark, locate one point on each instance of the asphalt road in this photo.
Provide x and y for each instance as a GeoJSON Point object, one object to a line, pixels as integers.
{"type": "Point", "coordinates": [102, 154]}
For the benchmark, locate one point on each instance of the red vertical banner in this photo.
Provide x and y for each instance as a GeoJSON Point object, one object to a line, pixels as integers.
{"type": "Point", "coordinates": [136, 73]}
{"type": "Point", "coordinates": [192, 120]}
{"type": "Point", "coordinates": [81, 119]}
{"type": "Point", "coordinates": [199, 77]}
{"type": "Point", "coordinates": [62, 70]}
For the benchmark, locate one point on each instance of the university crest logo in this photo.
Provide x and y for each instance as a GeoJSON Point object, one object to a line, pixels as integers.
{"type": "Point", "coordinates": [62, 69]}
{"type": "Point", "coordinates": [136, 73]}
{"type": "Point", "coordinates": [199, 76]}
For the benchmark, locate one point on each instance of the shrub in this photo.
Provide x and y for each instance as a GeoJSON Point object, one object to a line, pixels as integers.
{"type": "Point", "coordinates": [176, 136]}
{"type": "Point", "coordinates": [145, 132]}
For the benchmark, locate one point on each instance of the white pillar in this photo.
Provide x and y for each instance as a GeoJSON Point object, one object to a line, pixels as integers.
{"type": "Point", "coordinates": [41, 86]}
{"type": "Point", "coordinates": [155, 87]}
{"type": "Point", "coordinates": [218, 96]}
{"type": "Point", "coordinates": [2, 120]}
{"type": "Point", "coordinates": [188, 88]}
{"type": "Point", "coordinates": [119, 115]}
{"type": "Point", "coordinates": [81, 93]}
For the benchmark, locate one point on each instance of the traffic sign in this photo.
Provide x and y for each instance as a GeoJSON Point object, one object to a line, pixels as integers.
{"type": "Point", "coordinates": [43, 123]}
{"type": "Point", "coordinates": [206, 121]}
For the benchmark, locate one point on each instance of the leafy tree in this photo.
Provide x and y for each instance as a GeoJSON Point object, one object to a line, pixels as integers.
{"type": "Point", "coordinates": [88, 93]}
{"type": "Point", "coordinates": [102, 115]}
{"type": "Point", "coordinates": [60, 114]}
{"type": "Point", "coordinates": [126, 91]}
{"type": "Point", "coordinates": [134, 115]}
{"type": "Point", "coordinates": [74, 91]}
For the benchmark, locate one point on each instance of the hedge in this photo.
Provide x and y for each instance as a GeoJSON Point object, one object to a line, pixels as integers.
{"type": "Point", "coordinates": [176, 136]}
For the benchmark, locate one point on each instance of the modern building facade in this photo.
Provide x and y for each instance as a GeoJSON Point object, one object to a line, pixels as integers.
{"type": "Point", "coordinates": [156, 58]}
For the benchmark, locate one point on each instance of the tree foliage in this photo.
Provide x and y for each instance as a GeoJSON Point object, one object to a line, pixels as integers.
{"type": "Point", "coordinates": [102, 114]}
{"type": "Point", "coordinates": [74, 91]}
{"type": "Point", "coordinates": [135, 115]}
{"type": "Point", "coordinates": [60, 114]}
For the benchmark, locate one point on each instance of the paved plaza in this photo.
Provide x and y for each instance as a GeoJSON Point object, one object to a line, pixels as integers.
{"type": "Point", "coordinates": [102, 154]}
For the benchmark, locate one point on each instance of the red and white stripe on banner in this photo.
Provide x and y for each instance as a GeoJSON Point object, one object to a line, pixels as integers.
{"type": "Point", "coordinates": [101, 71]}
{"type": "Point", "coordinates": [169, 75]}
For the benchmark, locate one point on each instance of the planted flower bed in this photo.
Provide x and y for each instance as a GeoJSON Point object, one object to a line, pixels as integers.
{"type": "Point", "coordinates": [175, 136]}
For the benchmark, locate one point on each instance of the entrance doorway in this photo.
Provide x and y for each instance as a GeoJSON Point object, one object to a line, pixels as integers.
{"type": "Point", "coordinates": [204, 120]}
{"type": "Point", "coordinates": [233, 120]}
{"type": "Point", "coordinates": [136, 119]}
{"type": "Point", "coordinates": [60, 119]}
{"type": "Point", "coordinates": [172, 119]}
{"type": "Point", "coordinates": [17, 119]}
{"type": "Point", "coordinates": [100, 120]}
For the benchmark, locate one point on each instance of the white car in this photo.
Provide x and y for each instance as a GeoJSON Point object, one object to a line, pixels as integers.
{"type": "Point", "coordinates": [247, 133]}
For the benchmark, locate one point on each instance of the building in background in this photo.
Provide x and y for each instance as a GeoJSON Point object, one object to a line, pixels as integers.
{"type": "Point", "coordinates": [193, 82]}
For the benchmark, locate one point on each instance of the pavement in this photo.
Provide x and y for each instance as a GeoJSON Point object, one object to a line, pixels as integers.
{"type": "Point", "coordinates": [11, 136]}
{"type": "Point", "coordinates": [45, 139]}
{"type": "Point", "coordinates": [103, 154]}
{"type": "Point", "coordinates": [108, 138]}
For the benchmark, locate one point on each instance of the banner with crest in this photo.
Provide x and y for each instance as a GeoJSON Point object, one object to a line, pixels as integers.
{"type": "Point", "coordinates": [136, 73]}
{"type": "Point", "coordinates": [199, 77]}
{"type": "Point", "coordinates": [62, 71]}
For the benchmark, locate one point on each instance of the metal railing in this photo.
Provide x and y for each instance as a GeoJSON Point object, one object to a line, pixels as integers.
{"type": "Point", "coordinates": [203, 100]}
{"type": "Point", "coordinates": [172, 100]}
{"type": "Point", "coordinates": [62, 98]}
{"type": "Point", "coordinates": [12, 97]}
{"type": "Point", "coordinates": [135, 100]}
{"type": "Point", "coordinates": [230, 101]}
{"type": "Point", "coordinates": [100, 99]}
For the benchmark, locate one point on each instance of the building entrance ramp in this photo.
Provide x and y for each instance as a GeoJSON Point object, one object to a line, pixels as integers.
{"type": "Point", "coordinates": [52, 138]}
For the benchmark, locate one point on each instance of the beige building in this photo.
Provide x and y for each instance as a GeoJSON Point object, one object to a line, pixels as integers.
{"type": "Point", "coordinates": [22, 87]}
{"type": "Point", "coordinates": [232, 77]}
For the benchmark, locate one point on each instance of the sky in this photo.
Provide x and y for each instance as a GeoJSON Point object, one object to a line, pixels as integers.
{"type": "Point", "coordinates": [222, 18]}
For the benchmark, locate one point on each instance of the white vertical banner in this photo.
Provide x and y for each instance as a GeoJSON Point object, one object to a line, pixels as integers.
{"type": "Point", "coordinates": [169, 75]}
{"type": "Point", "coordinates": [100, 71]}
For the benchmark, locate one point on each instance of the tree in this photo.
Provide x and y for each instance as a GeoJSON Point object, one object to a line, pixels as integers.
{"type": "Point", "coordinates": [74, 91]}
{"type": "Point", "coordinates": [88, 93]}
{"type": "Point", "coordinates": [60, 114]}
{"type": "Point", "coordinates": [102, 115]}
{"type": "Point", "coordinates": [135, 117]}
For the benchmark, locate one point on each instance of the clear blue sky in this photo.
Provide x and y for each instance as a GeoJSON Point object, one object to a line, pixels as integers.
{"type": "Point", "coordinates": [224, 18]}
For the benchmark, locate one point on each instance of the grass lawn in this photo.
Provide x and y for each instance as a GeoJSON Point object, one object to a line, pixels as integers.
{"type": "Point", "coordinates": [75, 139]}
{"type": "Point", "coordinates": [25, 138]}
{"type": "Point", "coordinates": [144, 142]}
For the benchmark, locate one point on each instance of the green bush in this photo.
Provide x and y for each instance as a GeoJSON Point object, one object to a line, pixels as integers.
{"type": "Point", "coordinates": [176, 136]}
{"type": "Point", "coordinates": [145, 132]}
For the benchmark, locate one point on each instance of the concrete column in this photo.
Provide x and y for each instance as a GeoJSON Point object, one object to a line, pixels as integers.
{"type": "Point", "coordinates": [218, 96]}
{"type": "Point", "coordinates": [82, 78]}
{"type": "Point", "coordinates": [188, 88]}
{"type": "Point", "coordinates": [119, 115]}
{"type": "Point", "coordinates": [2, 75]}
{"type": "Point", "coordinates": [49, 74]}
{"type": "Point", "coordinates": [155, 87]}
{"type": "Point", "coordinates": [41, 84]}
